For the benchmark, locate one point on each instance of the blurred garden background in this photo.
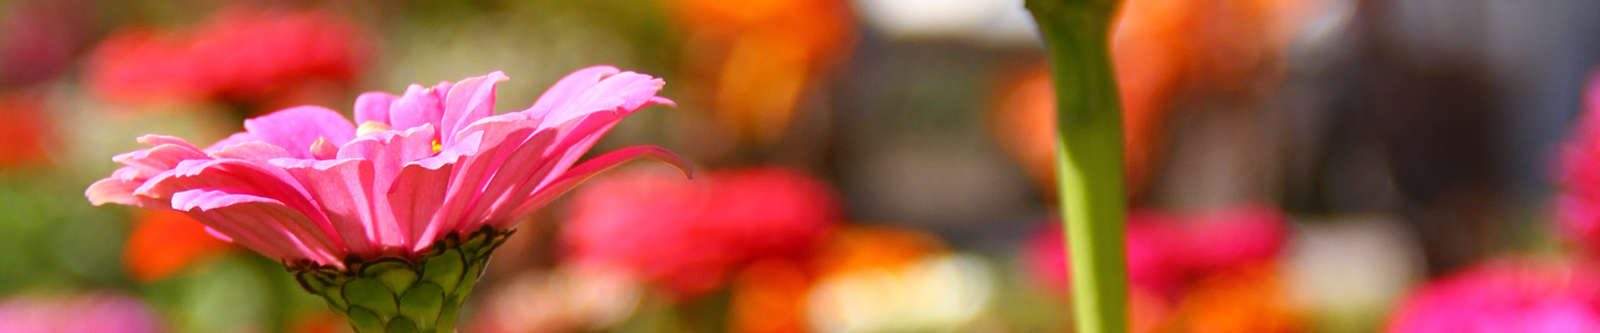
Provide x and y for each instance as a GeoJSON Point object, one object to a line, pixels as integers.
{"type": "Point", "coordinates": [861, 165]}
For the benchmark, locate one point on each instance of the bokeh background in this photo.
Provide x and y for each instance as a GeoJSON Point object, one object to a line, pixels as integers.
{"type": "Point", "coordinates": [862, 165]}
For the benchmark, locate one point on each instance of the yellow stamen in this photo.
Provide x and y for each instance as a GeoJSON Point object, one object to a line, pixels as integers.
{"type": "Point", "coordinates": [437, 147]}
{"type": "Point", "coordinates": [371, 127]}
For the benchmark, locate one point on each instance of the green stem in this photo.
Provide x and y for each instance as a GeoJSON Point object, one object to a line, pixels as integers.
{"type": "Point", "coordinates": [1088, 156]}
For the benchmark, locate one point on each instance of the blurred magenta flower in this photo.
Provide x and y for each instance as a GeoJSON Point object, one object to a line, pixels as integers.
{"type": "Point", "coordinates": [103, 313]}
{"type": "Point", "coordinates": [1579, 175]}
{"type": "Point", "coordinates": [1166, 250]}
{"type": "Point", "coordinates": [240, 53]}
{"type": "Point", "coordinates": [686, 237]}
{"type": "Point", "coordinates": [305, 184]}
{"type": "Point", "coordinates": [1504, 296]}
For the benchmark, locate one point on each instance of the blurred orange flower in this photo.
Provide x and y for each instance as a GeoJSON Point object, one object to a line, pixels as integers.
{"type": "Point", "coordinates": [1161, 49]}
{"type": "Point", "coordinates": [759, 57]}
{"type": "Point", "coordinates": [1248, 300]}
{"type": "Point", "coordinates": [164, 242]}
{"type": "Point", "coordinates": [769, 297]}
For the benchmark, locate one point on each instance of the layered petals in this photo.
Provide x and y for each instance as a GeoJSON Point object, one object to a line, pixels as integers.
{"type": "Point", "coordinates": [305, 184]}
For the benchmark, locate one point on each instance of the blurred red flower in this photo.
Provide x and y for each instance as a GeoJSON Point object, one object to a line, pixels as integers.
{"type": "Point", "coordinates": [686, 235]}
{"type": "Point", "coordinates": [1504, 296]}
{"type": "Point", "coordinates": [164, 242]}
{"type": "Point", "coordinates": [1579, 175]}
{"type": "Point", "coordinates": [238, 54]}
{"type": "Point", "coordinates": [25, 129]}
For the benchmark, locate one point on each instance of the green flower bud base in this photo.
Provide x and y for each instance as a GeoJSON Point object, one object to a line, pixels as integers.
{"type": "Point", "coordinates": [397, 295]}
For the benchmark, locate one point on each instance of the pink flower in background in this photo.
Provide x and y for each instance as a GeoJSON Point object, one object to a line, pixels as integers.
{"type": "Point", "coordinates": [239, 53]}
{"type": "Point", "coordinates": [1235, 237]}
{"type": "Point", "coordinates": [1579, 175]}
{"type": "Point", "coordinates": [688, 236]}
{"type": "Point", "coordinates": [1166, 250]}
{"type": "Point", "coordinates": [105, 313]}
{"type": "Point", "coordinates": [1504, 296]}
{"type": "Point", "coordinates": [1151, 240]}
{"type": "Point", "coordinates": [307, 186]}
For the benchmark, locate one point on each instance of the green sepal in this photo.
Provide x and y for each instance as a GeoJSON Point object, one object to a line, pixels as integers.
{"type": "Point", "coordinates": [399, 294]}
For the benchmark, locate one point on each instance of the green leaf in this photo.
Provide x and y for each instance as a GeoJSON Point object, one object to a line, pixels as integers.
{"type": "Point", "coordinates": [402, 325]}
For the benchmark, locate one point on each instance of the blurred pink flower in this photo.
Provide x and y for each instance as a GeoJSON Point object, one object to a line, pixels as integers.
{"type": "Point", "coordinates": [686, 237]}
{"type": "Point", "coordinates": [239, 53]}
{"type": "Point", "coordinates": [105, 313]}
{"type": "Point", "coordinates": [1579, 175]}
{"type": "Point", "coordinates": [1166, 250]}
{"type": "Point", "coordinates": [1504, 296]}
{"type": "Point", "coordinates": [39, 38]}
{"type": "Point", "coordinates": [306, 186]}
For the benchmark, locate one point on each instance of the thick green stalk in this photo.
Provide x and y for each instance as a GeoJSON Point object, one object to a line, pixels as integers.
{"type": "Point", "coordinates": [399, 295]}
{"type": "Point", "coordinates": [1088, 156]}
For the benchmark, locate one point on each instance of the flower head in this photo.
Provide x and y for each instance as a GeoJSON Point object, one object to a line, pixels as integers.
{"type": "Point", "coordinates": [687, 236]}
{"type": "Point", "coordinates": [239, 53]}
{"type": "Point", "coordinates": [306, 185]}
{"type": "Point", "coordinates": [1504, 296]}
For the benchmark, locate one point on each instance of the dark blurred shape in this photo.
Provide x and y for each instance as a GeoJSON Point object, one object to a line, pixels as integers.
{"type": "Point", "coordinates": [102, 313]}
{"type": "Point", "coordinates": [243, 54]}
{"type": "Point", "coordinates": [687, 236]}
{"type": "Point", "coordinates": [1427, 118]}
{"type": "Point", "coordinates": [1508, 295]}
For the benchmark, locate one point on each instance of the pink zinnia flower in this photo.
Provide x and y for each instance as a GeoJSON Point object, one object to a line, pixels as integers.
{"type": "Point", "coordinates": [1504, 296]}
{"type": "Point", "coordinates": [305, 184]}
{"type": "Point", "coordinates": [407, 206]}
{"type": "Point", "coordinates": [688, 236]}
{"type": "Point", "coordinates": [240, 53]}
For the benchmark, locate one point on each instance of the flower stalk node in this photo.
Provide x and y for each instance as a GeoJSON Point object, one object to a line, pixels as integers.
{"type": "Point", "coordinates": [398, 294]}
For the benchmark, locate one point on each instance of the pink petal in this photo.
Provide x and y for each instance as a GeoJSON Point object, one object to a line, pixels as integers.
{"type": "Point", "coordinates": [255, 222]}
{"type": "Point", "coordinates": [295, 129]}
{"type": "Point", "coordinates": [624, 92]}
{"type": "Point", "coordinates": [251, 151]}
{"type": "Point", "coordinates": [341, 187]}
{"type": "Point", "coordinates": [574, 133]}
{"type": "Point", "coordinates": [248, 178]}
{"type": "Point", "coordinates": [374, 107]}
{"type": "Point", "coordinates": [468, 100]}
{"type": "Point", "coordinates": [416, 197]}
{"type": "Point", "coordinates": [593, 167]}
{"type": "Point", "coordinates": [416, 107]}
{"type": "Point", "coordinates": [112, 190]}
{"type": "Point", "coordinates": [568, 87]}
